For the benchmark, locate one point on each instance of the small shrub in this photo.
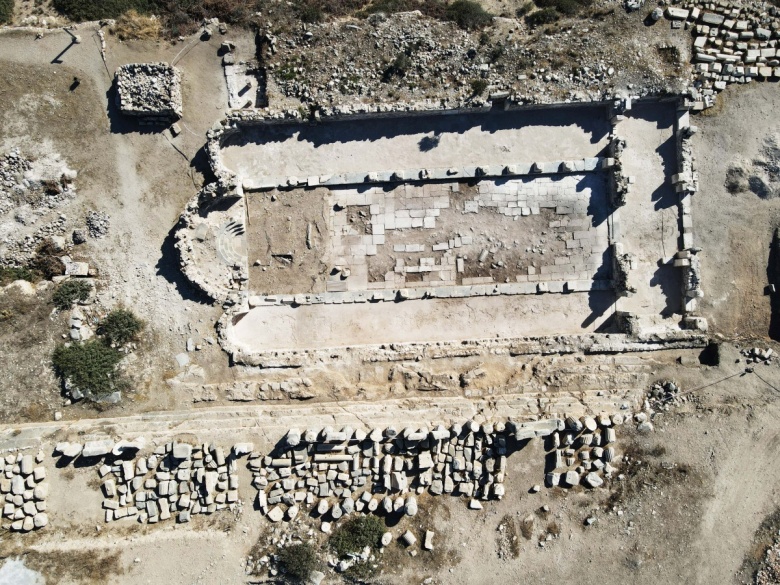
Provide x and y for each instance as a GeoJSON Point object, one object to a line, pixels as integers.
{"type": "Point", "coordinates": [89, 366]}
{"type": "Point", "coordinates": [398, 67]}
{"type": "Point", "coordinates": [10, 274]}
{"type": "Point", "coordinates": [69, 292]}
{"type": "Point", "coordinates": [132, 25]}
{"type": "Point", "coordinates": [357, 534]}
{"type": "Point", "coordinates": [468, 15]}
{"type": "Point", "coordinates": [46, 259]}
{"type": "Point", "coordinates": [120, 327]}
{"type": "Point", "coordinates": [6, 11]}
{"type": "Point", "coordinates": [496, 53]}
{"type": "Point", "coordinates": [49, 266]}
{"type": "Point", "coordinates": [299, 561]}
{"type": "Point", "coordinates": [524, 9]}
{"type": "Point", "coordinates": [310, 13]}
{"type": "Point", "coordinates": [478, 86]}
{"type": "Point", "coordinates": [544, 16]}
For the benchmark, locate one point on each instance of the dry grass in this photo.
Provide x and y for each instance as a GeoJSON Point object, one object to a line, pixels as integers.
{"type": "Point", "coordinates": [85, 567]}
{"type": "Point", "coordinates": [134, 26]}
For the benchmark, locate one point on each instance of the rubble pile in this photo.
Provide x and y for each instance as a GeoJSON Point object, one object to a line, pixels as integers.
{"type": "Point", "coordinates": [98, 223]}
{"type": "Point", "coordinates": [151, 91]}
{"type": "Point", "coordinates": [177, 479]}
{"type": "Point", "coordinates": [664, 394]}
{"type": "Point", "coordinates": [33, 190]}
{"type": "Point", "coordinates": [769, 572]}
{"type": "Point", "coordinates": [733, 43]}
{"type": "Point", "coordinates": [406, 56]}
{"type": "Point", "coordinates": [350, 470]}
{"type": "Point", "coordinates": [24, 491]}
{"type": "Point", "coordinates": [12, 185]}
{"type": "Point", "coordinates": [583, 452]}
{"type": "Point", "coordinates": [756, 355]}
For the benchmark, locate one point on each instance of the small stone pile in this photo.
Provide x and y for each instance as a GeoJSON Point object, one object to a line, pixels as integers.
{"type": "Point", "coordinates": [664, 395]}
{"type": "Point", "coordinates": [12, 169]}
{"type": "Point", "coordinates": [177, 479]}
{"type": "Point", "coordinates": [756, 355]}
{"type": "Point", "coordinates": [769, 572]}
{"type": "Point", "coordinates": [98, 223]}
{"type": "Point", "coordinates": [350, 470]}
{"type": "Point", "coordinates": [24, 491]}
{"type": "Point", "coordinates": [583, 453]}
{"type": "Point", "coordinates": [37, 190]}
{"type": "Point", "coordinates": [151, 91]}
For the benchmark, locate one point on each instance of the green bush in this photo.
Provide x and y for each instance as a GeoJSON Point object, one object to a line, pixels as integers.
{"type": "Point", "coordinates": [544, 16]}
{"type": "Point", "coordinates": [10, 274]}
{"type": "Point", "coordinates": [398, 67]}
{"type": "Point", "coordinates": [120, 327]}
{"type": "Point", "coordinates": [6, 11]}
{"type": "Point", "coordinates": [478, 86]}
{"type": "Point", "coordinates": [69, 292]}
{"type": "Point", "coordinates": [357, 534]}
{"type": "Point", "coordinates": [310, 13]}
{"type": "Point", "coordinates": [299, 561]}
{"type": "Point", "coordinates": [89, 366]}
{"type": "Point", "coordinates": [468, 15]}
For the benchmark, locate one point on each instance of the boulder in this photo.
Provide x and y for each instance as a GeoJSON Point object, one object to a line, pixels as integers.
{"type": "Point", "coordinates": [97, 448]}
{"type": "Point", "coordinates": [240, 449]}
{"type": "Point", "coordinates": [71, 450]}
{"type": "Point", "coordinates": [182, 451]}
{"type": "Point", "coordinates": [40, 520]}
{"type": "Point", "coordinates": [276, 514]}
{"type": "Point", "coordinates": [409, 539]}
{"type": "Point", "coordinates": [592, 480]}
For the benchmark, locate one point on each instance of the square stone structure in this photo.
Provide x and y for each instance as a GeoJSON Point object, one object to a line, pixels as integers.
{"type": "Point", "coordinates": [151, 91]}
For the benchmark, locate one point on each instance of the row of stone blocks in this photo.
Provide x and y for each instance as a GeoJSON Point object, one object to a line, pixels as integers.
{"type": "Point", "coordinates": [439, 174]}
{"type": "Point", "coordinates": [443, 292]}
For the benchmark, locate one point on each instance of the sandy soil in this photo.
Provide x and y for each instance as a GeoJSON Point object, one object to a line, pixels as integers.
{"type": "Point", "coordinates": [427, 141]}
{"type": "Point", "coordinates": [735, 231]}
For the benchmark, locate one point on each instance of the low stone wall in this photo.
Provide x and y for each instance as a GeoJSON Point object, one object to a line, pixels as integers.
{"type": "Point", "coordinates": [151, 91]}
{"type": "Point", "coordinates": [442, 292]}
{"type": "Point", "coordinates": [635, 341]}
{"type": "Point", "coordinates": [198, 255]}
{"type": "Point", "coordinates": [237, 119]}
{"type": "Point", "coordinates": [686, 183]}
{"type": "Point", "coordinates": [437, 174]}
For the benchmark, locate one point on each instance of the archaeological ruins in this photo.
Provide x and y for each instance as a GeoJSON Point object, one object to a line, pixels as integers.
{"type": "Point", "coordinates": [492, 320]}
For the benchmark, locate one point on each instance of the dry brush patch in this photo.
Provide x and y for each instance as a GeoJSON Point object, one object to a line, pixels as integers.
{"type": "Point", "coordinates": [86, 567]}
